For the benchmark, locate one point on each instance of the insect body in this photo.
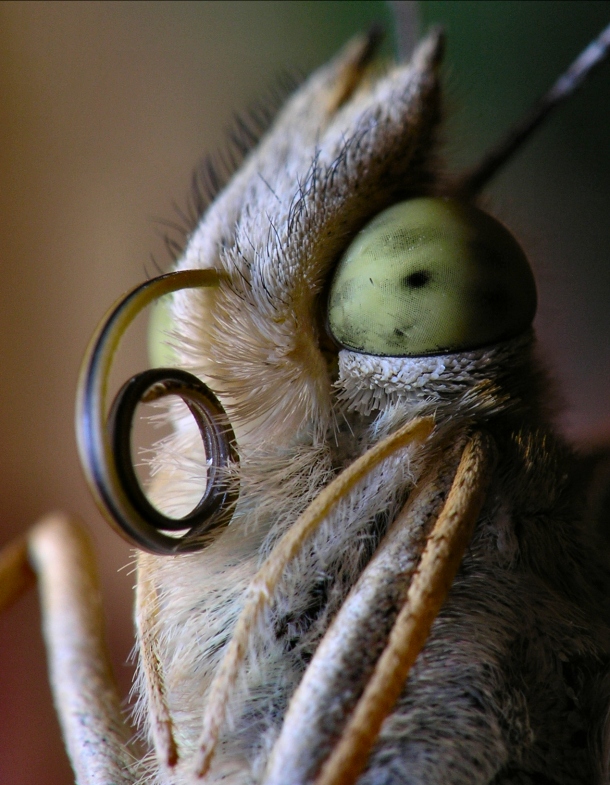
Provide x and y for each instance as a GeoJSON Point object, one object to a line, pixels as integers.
{"type": "Point", "coordinates": [344, 150]}
{"type": "Point", "coordinates": [367, 331]}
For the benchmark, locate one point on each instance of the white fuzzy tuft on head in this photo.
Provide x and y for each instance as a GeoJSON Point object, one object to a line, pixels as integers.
{"type": "Point", "coordinates": [278, 229]}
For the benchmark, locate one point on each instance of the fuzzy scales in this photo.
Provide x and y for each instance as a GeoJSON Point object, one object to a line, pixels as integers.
{"type": "Point", "coordinates": [509, 687]}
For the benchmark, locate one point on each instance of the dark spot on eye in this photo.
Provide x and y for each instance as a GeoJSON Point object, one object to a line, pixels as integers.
{"type": "Point", "coordinates": [398, 333]}
{"type": "Point", "coordinates": [416, 280]}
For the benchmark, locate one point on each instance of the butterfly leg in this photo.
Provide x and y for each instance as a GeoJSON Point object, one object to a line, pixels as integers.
{"type": "Point", "coordinates": [58, 554]}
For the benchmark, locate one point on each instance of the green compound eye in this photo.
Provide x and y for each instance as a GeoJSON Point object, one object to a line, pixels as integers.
{"type": "Point", "coordinates": [430, 276]}
{"type": "Point", "coordinates": [160, 353]}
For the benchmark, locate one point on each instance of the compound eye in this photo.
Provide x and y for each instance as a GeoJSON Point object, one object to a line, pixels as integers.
{"type": "Point", "coordinates": [160, 326]}
{"type": "Point", "coordinates": [430, 276]}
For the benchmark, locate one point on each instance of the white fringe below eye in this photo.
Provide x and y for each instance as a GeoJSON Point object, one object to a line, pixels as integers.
{"type": "Point", "coordinates": [368, 382]}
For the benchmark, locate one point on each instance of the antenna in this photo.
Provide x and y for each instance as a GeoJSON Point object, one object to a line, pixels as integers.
{"type": "Point", "coordinates": [470, 183]}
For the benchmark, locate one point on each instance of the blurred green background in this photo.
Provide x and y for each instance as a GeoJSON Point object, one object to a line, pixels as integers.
{"type": "Point", "coordinates": [106, 107]}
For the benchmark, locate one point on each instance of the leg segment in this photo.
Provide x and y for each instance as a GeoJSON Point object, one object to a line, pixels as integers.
{"type": "Point", "coordinates": [84, 691]}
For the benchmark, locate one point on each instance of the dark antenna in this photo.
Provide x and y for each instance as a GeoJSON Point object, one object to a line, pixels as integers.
{"type": "Point", "coordinates": [470, 183]}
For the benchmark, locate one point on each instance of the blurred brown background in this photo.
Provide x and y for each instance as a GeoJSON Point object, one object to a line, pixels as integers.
{"type": "Point", "coordinates": [104, 110]}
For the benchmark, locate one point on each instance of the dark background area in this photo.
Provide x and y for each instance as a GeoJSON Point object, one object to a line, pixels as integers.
{"type": "Point", "coordinates": [106, 107]}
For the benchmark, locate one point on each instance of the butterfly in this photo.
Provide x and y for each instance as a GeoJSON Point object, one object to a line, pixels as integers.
{"type": "Point", "coordinates": [265, 333]}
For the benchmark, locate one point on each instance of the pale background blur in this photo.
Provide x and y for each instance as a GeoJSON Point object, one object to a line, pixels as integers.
{"type": "Point", "coordinates": [104, 110]}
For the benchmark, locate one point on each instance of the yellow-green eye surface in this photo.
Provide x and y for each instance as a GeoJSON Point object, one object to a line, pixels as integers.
{"type": "Point", "coordinates": [430, 276]}
{"type": "Point", "coordinates": [160, 325]}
